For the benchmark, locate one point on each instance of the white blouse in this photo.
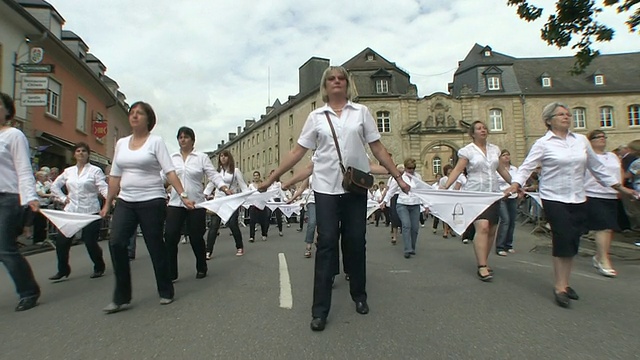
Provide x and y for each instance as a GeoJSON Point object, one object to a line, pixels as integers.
{"type": "Point", "coordinates": [612, 165]}
{"type": "Point", "coordinates": [232, 180]}
{"type": "Point", "coordinates": [82, 188]}
{"type": "Point", "coordinates": [502, 184]}
{"type": "Point", "coordinates": [564, 162]}
{"type": "Point", "coordinates": [481, 169]}
{"type": "Point", "coordinates": [404, 199]}
{"type": "Point", "coordinates": [15, 166]}
{"type": "Point", "coordinates": [191, 173]}
{"type": "Point", "coordinates": [354, 129]}
{"type": "Point", "coordinates": [140, 169]}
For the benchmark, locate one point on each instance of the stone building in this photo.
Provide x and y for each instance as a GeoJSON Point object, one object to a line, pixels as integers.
{"type": "Point", "coordinates": [505, 92]}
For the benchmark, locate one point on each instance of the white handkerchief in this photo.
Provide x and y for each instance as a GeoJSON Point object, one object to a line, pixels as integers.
{"type": "Point", "coordinates": [259, 199]}
{"type": "Point", "coordinates": [69, 223]}
{"type": "Point", "coordinates": [372, 206]}
{"type": "Point", "coordinates": [288, 209]}
{"type": "Point", "coordinates": [224, 206]}
{"type": "Point", "coordinates": [456, 208]}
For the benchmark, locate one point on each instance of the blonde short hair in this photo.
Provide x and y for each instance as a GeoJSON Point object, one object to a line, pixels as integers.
{"type": "Point", "coordinates": [351, 87]}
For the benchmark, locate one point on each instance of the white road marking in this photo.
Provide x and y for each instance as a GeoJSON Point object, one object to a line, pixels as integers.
{"type": "Point", "coordinates": [399, 271]}
{"type": "Point", "coordinates": [286, 297]}
{"type": "Point", "coordinates": [573, 273]}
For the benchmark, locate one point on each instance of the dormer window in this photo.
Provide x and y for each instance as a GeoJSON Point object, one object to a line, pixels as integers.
{"type": "Point", "coordinates": [546, 81]}
{"type": "Point", "coordinates": [493, 82]}
{"type": "Point", "coordinates": [598, 79]}
{"type": "Point", "coordinates": [487, 53]}
{"type": "Point", "coordinates": [370, 57]}
{"type": "Point", "coordinates": [493, 77]}
{"type": "Point", "coordinates": [382, 86]}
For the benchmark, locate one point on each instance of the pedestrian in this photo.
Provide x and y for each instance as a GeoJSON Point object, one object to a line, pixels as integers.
{"type": "Point", "coordinates": [508, 209]}
{"type": "Point", "coordinates": [277, 185]}
{"type": "Point", "coordinates": [305, 190]}
{"type": "Point", "coordinates": [191, 167]}
{"type": "Point", "coordinates": [338, 212]}
{"type": "Point", "coordinates": [136, 181]}
{"type": "Point", "coordinates": [85, 183]}
{"type": "Point", "coordinates": [17, 189]}
{"type": "Point", "coordinates": [481, 158]}
{"type": "Point", "coordinates": [564, 157]}
{"type": "Point", "coordinates": [234, 183]}
{"type": "Point", "coordinates": [256, 215]}
{"type": "Point", "coordinates": [40, 224]}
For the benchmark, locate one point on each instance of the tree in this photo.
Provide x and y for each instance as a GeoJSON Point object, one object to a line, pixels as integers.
{"type": "Point", "coordinates": [578, 18]}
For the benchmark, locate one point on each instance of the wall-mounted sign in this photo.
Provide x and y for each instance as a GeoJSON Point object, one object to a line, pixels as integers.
{"type": "Point", "coordinates": [35, 82]}
{"type": "Point", "coordinates": [35, 68]}
{"type": "Point", "coordinates": [36, 55]}
{"type": "Point", "coordinates": [100, 129]}
{"type": "Point", "coordinates": [28, 99]}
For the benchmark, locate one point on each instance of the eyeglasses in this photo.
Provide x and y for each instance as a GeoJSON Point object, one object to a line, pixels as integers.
{"type": "Point", "coordinates": [563, 114]}
{"type": "Point", "coordinates": [411, 168]}
{"type": "Point", "coordinates": [599, 137]}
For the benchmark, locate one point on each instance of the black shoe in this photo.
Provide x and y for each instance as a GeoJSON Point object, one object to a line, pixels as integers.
{"type": "Point", "coordinates": [59, 276]}
{"type": "Point", "coordinates": [347, 277]}
{"type": "Point", "coordinates": [407, 255]}
{"type": "Point", "coordinates": [487, 277]}
{"type": "Point", "coordinates": [362, 307]}
{"type": "Point", "coordinates": [572, 294]}
{"type": "Point", "coordinates": [27, 303]}
{"type": "Point", "coordinates": [201, 275]}
{"type": "Point", "coordinates": [318, 324]}
{"type": "Point", "coordinates": [96, 274]}
{"type": "Point", "coordinates": [132, 257]}
{"type": "Point", "coordinates": [562, 299]}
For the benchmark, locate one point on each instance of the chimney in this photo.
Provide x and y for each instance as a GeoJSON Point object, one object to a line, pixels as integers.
{"type": "Point", "coordinates": [232, 136]}
{"type": "Point", "coordinates": [239, 130]}
{"type": "Point", "coordinates": [269, 109]}
{"type": "Point", "coordinates": [249, 123]}
{"type": "Point", "coordinates": [310, 73]}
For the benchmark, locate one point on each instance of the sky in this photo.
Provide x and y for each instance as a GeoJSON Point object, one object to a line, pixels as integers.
{"type": "Point", "coordinates": [210, 65]}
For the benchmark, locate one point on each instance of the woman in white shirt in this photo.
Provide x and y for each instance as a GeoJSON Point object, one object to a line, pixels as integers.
{"type": "Point", "coordinates": [508, 209]}
{"type": "Point", "coordinates": [85, 183]}
{"type": "Point", "coordinates": [137, 182]}
{"type": "Point", "coordinates": [564, 157]}
{"type": "Point", "coordinates": [481, 160]}
{"type": "Point", "coordinates": [233, 180]}
{"type": "Point", "coordinates": [602, 203]}
{"type": "Point", "coordinates": [338, 212]}
{"type": "Point", "coordinates": [408, 207]}
{"type": "Point", "coordinates": [277, 185]}
{"type": "Point", "coordinates": [308, 202]}
{"type": "Point", "coordinates": [191, 167]}
{"type": "Point", "coordinates": [17, 189]}
{"type": "Point", "coordinates": [258, 216]}
{"type": "Point", "coordinates": [43, 189]}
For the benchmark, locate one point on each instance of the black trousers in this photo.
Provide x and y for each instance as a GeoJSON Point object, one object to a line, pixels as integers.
{"type": "Point", "coordinates": [302, 214]}
{"type": "Point", "coordinates": [90, 236]}
{"type": "Point", "coordinates": [39, 227]}
{"type": "Point", "coordinates": [150, 215]}
{"type": "Point", "coordinates": [257, 216]}
{"type": "Point", "coordinates": [196, 227]}
{"type": "Point", "coordinates": [339, 216]}
{"type": "Point", "coordinates": [232, 224]}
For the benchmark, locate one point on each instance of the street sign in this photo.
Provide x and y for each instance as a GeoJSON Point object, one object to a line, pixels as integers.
{"type": "Point", "coordinates": [36, 55]}
{"type": "Point", "coordinates": [28, 99]}
{"type": "Point", "coordinates": [35, 68]}
{"type": "Point", "coordinates": [35, 82]}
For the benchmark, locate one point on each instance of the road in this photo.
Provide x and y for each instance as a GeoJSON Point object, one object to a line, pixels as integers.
{"type": "Point", "coordinates": [431, 306]}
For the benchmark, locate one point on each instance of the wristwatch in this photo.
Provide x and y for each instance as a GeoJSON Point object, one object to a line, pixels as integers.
{"type": "Point", "coordinates": [184, 195]}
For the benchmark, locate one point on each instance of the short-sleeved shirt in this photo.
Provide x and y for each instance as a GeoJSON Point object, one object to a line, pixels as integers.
{"type": "Point", "coordinates": [481, 169]}
{"type": "Point", "coordinates": [354, 129]}
{"type": "Point", "coordinates": [634, 169]}
{"type": "Point", "coordinates": [140, 169]}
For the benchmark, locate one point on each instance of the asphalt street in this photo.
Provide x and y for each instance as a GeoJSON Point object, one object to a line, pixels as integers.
{"type": "Point", "coordinates": [431, 306]}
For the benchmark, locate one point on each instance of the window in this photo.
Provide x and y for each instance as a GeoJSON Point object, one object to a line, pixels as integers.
{"type": "Point", "coordinates": [81, 115]}
{"type": "Point", "coordinates": [487, 53]}
{"type": "Point", "coordinates": [598, 79]}
{"type": "Point", "coordinates": [277, 154]}
{"type": "Point", "coordinates": [290, 143]}
{"type": "Point", "coordinates": [290, 119]}
{"type": "Point", "coordinates": [384, 123]}
{"type": "Point", "coordinates": [313, 105]}
{"type": "Point", "coordinates": [277, 128]}
{"type": "Point", "coordinates": [264, 134]}
{"type": "Point", "coordinates": [264, 157]}
{"type": "Point", "coordinates": [634, 115]}
{"type": "Point", "coordinates": [495, 120]}
{"type": "Point", "coordinates": [579, 118]}
{"type": "Point", "coordinates": [606, 117]}
{"type": "Point", "coordinates": [269, 132]}
{"type": "Point", "coordinates": [370, 57]}
{"type": "Point", "coordinates": [437, 165]}
{"type": "Point", "coordinates": [546, 82]}
{"type": "Point", "coordinates": [53, 98]}
{"type": "Point", "coordinates": [382, 86]}
{"type": "Point", "coordinates": [258, 159]}
{"type": "Point", "coordinates": [493, 82]}
{"type": "Point", "coordinates": [270, 156]}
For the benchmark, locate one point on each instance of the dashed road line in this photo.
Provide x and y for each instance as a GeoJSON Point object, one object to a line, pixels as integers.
{"type": "Point", "coordinates": [286, 297]}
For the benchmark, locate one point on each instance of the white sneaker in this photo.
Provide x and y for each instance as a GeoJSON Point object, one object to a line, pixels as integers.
{"type": "Point", "coordinates": [421, 225]}
{"type": "Point", "coordinates": [264, 238]}
{"type": "Point", "coordinates": [280, 233]}
{"type": "Point", "coordinates": [165, 301]}
{"type": "Point", "coordinates": [434, 231]}
{"type": "Point", "coordinates": [465, 241]}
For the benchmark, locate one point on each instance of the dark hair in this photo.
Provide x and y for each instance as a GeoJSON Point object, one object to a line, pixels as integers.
{"type": "Point", "coordinates": [7, 103]}
{"type": "Point", "coordinates": [472, 127]}
{"type": "Point", "coordinates": [505, 151]}
{"type": "Point", "coordinates": [256, 172]}
{"type": "Point", "coordinates": [82, 145]}
{"type": "Point", "coordinates": [592, 134]}
{"type": "Point", "coordinates": [410, 162]}
{"type": "Point", "coordinates": [446, 169]}
{"type": "Point", "coordinates": [148, 110]}
{"type": "Point", "coordinates": [186, 131]}
{"type": "Point", "coordinates": [231, 164]}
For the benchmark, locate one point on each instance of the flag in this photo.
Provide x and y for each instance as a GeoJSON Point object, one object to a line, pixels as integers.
{"type": "Point", "coordinates": [69, 223]}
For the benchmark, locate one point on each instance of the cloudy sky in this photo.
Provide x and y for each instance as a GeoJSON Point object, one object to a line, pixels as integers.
{"type": "Point", "coordinates": [207, 64]}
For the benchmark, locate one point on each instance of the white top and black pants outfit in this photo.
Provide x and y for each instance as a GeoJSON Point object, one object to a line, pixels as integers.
{"type": "Point", "coordinates": [338, 213]}
{"type": "Point", "coordinates": [258, 216]}
{"type": "Point", "coordinates": [482, 175]}
{"type": "Point", "coordinates": [191, 171]}
{"type": "Point", "coordinates": [562, 185]}
{"type": "Point", "coordinates": [83, 191]}
{"type": "Point", "coordinates": [235, 182]}
{"type": "Point", "coordinates": [602, 202]}
{"type": "Point", "coordinates": [17, 188]}
{"type": "Point", "coordinates": [141, 201]}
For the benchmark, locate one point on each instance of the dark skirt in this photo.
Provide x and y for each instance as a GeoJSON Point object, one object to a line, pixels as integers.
{"type": "Point", "coordinates": [568, 223]}
{"type": "Point", "coordinates": [602, 214]}
{"type": "Point", "coordinates": [492, 213]}
{"type": "Point", "coordinates": [395, 219]}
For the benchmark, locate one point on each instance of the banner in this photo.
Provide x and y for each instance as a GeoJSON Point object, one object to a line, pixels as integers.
{"type": "Point", "coordinates": [69, 223]}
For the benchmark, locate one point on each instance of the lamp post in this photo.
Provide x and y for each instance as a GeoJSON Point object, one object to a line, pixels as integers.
{"type": "Point", "coordinates": [16, 64]}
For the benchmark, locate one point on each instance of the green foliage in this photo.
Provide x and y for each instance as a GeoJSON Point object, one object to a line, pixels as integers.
{"type": "Point", "coordinates": [578, 18]}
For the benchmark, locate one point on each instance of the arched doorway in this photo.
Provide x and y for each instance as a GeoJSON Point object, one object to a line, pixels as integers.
{"type": "Point", "coordinates": [435, 156]}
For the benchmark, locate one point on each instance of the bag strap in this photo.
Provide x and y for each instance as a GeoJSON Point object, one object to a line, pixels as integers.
{"type": "Point", "coordinates": [335, 140]}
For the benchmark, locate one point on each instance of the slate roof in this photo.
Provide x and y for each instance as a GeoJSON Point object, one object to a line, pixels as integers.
{"type": "Point", "coordinates": [360, 62]}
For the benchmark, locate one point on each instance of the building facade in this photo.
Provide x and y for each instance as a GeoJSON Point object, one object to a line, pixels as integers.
{"type": "Point", "coordinates": [61, 91]}
{"type": "Point", "coordinates": [505, 92]}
